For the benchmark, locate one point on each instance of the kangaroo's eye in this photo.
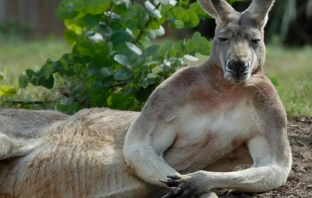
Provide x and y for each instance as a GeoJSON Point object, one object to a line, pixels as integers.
{"type": "Point", "coordinates": [222, 39]}
{"type": "Point", "coordinates": [255, 41]}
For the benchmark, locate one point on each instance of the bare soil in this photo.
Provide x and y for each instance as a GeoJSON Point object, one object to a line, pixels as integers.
{"type": "Point", "coordinates": [299, 183]}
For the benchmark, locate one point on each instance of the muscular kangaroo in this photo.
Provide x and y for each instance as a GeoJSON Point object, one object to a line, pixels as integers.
{"type": "Point", "coordinates": [204, 121]}
{"type": "Point", "coordinates": [195, 129]}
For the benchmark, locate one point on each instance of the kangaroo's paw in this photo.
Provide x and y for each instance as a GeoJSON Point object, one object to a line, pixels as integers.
{"type": "Point", "coordinates": [182, 186]}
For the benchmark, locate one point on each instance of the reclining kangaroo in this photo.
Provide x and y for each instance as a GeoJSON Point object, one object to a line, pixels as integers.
{"type": "Point", "coordinates": [196, 127]}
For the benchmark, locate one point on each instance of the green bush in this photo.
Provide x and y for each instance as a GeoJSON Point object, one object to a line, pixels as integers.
{"type": "Point", "coordinates": [114, 61]}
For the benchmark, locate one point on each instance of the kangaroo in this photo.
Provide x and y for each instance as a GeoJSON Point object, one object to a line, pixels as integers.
{"type": "Point", "coordinates": [194, 130]}
{"type": "Point", "coordinates": [202, 122]}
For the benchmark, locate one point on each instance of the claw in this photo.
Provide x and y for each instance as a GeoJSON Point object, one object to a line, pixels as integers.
{"type": "Point", "coordinates": [165, 182]}
{"type": "Point", "coordinates": [174, 177]}
{"type": "Point", "coordinates": [171, 182]}
{"type": "Point", "coordinates": [173, 193]}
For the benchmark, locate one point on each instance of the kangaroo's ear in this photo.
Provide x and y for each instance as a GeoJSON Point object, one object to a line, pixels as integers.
{"type": "Point", "coordinates": [218, 9]}
{"type": "Point", "coordinates": [258, 11]}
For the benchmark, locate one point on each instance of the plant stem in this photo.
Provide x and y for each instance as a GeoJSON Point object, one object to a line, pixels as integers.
{"type": "Point", "coordinates": [118, 84]}
{"type": "Point", "coordinates": [138, 37]}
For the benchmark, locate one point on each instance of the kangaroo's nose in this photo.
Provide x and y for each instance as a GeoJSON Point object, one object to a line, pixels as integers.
{"type": "Point", "coordinates": [237, 66]}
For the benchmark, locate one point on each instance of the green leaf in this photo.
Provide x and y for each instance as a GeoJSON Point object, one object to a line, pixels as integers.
{"type": "Point", "coordinates": [204, 46]}
{"type": "Point", "coordinates": [30, 74]}
{"type": "Point", "coordinates": [180, 48]}
{"type": "Point", "coordinates": [154, 25]}
{"type": "Point", "coordinates": [127, 90]}
{"type": "Point", "coordinates": [61, 66]}
{"type": "Point", "coordinates": [179, 24]}
{"type": "Point", "coordinates": [105, 72]}
{"type": "Point", "coordinates": [91, 20]}
{"type": "Point", "coordinates": [134, 48]}
{"type": "Point", "coordinates": [74, 6]}
{"type": "Point", "coordinates": [184, 3]}
{"type": "Point", "coordinates": [116, 22]}
{"type": "Point", "coordinates": [119, 38]}
{"type": "Point", "coordinates": [96, 6]}
{"type": "Point", "coordinates": [99, 86]}
{"type": "Point", "coordinates": [70, 37]}
{"type": "Point", "coordinates": [93, 69]}
{"type": "Point", "coordinates": [127, 3]}
{"type": "Point", "coordinates": [98, 100]}
{"type": "Point", "coordinates": [139, 64]}
{"type": "Point", "coordinates": [1, 76]}
{"type": "Point", "coordinates": [104, 30]}
{"type": "Point", "coordinates": [48, 83]}
{"type": "Point", "coordinates": [164, 1]}
{"type": "Point", "coordinates": [38, 79]}
{"type": "Point", "coordinates": [65, 14]}
{"type": "Point", "coordinates": [165, 48]}
{"type": "Point", "coordinates": [101, 54]}
{"type": "Point", "coordinates": [193, 19]}
{"type": "Point", "coordinates": [22, 81]}
{"type": "Point", "coordinates": [175, 23]}
{"type": "Point", "coordinates": [46, 69]}
{"type": "Point", "coordinates": [89, 33]}
{"type": "Point", "coordinates": [151, 50]}
{"type": "Point", "coordinates": [7, 91]}
{"type": "Point", "coordinates": [122, 59]}
{"type": "Point", "coordinates": [171, 53]}
{"type": "Point", "coordinates": [178, 12]}
{"type": "Point", "coordinates": [32, 77]}
{"type": "Point", "coordinates": [196, 8]}
{"type": "Point", "coordinates": [67, 106]}
{"type": "Point", "coordinates": [118, 101]}
{"type": "Point", "coordinates": [5, 71]}
{"type": "Point", "coordinates": [86, 48]}
{"type": "Point", "coordinates": [196, 38]}
{"type": "Point", "coordinates": [190, 46]}
{"type": "Point", "coordinates": [72, 25]}
{"type": "Point", "coordinates": [123, 74]}
{"type": "Point", "coordinates": [77, 89]}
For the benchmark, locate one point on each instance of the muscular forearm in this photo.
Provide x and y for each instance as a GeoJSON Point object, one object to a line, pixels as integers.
{"type": "Point", "coordinates": [147, 164]}
{"type": "Point", "coordinates": [255, 179]}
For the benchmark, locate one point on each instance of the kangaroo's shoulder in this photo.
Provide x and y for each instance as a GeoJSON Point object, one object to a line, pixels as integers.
{"type": "Point", "coordinates": [178, 84]}
{"type": "Point", "coordinates": [266, 99]}
{"type": "Point", "coordinates": [261, 88]}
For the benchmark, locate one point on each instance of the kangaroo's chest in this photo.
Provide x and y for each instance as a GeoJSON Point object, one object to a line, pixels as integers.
{"type": "Point", "coordinates": [211, 133]}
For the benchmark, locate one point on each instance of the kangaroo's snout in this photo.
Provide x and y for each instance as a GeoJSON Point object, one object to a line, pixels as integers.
{"type": "Point", "coordinates": [237, 66]}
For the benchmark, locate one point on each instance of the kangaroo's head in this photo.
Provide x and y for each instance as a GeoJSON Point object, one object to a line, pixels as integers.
{"type": "Point", "coordinates": [238, 47]}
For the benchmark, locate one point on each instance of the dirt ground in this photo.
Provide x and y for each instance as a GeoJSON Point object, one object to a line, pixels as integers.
{"type": "Point", "coordinates": [299, 183]}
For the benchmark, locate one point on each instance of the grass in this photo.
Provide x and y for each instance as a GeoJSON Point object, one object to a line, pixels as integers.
{"type": "Point", "coordinates": [292, 68]}
{"type": "Point", "coordinates": [17, 55]}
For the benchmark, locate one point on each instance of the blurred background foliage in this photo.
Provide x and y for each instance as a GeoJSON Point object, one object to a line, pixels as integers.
{"type": "Point", "coordinates": [289, 22]}
{"type": "Point", "coordinates": [116, 59]}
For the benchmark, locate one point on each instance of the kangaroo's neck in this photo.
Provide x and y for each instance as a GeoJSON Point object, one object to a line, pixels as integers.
{"type": "Point", "coordinates": [215, 77]}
